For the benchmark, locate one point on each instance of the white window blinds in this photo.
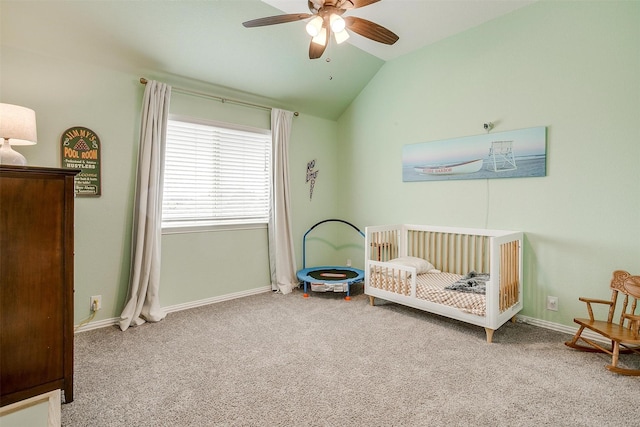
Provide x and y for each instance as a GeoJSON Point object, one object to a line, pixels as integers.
{"type": "Point", "coordinates": [215, 175]}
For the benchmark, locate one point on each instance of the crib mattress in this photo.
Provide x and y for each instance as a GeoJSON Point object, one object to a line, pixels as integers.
{"type": "Point", "coordinates": [431, 287]}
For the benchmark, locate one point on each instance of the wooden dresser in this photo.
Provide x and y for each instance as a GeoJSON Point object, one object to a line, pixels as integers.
{"type": "Point", "coordinates": [36, 282]}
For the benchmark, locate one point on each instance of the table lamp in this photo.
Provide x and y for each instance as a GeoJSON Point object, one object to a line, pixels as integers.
{"type": "Point", "coordinates": [17, 127]}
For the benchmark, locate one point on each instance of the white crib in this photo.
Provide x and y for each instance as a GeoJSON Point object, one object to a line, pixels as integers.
{"type": "Point", "coordinates": [452, 253]}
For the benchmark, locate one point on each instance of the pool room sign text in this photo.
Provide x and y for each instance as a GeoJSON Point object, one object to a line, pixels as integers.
{"type": "Point", "coordinates": [80, 149]}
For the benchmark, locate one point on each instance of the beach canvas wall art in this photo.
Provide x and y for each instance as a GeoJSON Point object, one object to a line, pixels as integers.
{"type": "Point", "coordinates": [511, 154]}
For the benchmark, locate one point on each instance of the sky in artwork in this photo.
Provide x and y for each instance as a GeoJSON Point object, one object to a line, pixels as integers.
{"type": "Point", "coordinates": [526, 142]}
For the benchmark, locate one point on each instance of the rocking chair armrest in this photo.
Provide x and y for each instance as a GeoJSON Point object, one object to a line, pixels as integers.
{"type": "Point", "coordinates": [632, 317]}
{"type": "Point", "coordinates": [635, 323]}
{"type": "Point", "coordinates": [596, 301]}
{"type": "Point", "coordinates": [590, 301]}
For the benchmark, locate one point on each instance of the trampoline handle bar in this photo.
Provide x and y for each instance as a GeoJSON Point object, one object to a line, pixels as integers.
{"type": "Point", "coordinates": [304, 238]}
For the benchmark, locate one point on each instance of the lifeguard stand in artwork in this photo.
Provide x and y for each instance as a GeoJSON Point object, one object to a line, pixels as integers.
{"type": "Point", "coordinates": [501, 156]}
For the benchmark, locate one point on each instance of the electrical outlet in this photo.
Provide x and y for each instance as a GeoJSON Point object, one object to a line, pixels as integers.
{"type": "Point", "coordinates": [96, 303]}
{"type": "Point", "coordinates": [552, 303]}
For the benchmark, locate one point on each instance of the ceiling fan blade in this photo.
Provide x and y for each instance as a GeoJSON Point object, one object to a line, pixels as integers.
{"type": "Point", "coordinates": [316, 50]}
{"type": "Point", "coordinates": [278, 19]}
{"type": "Point", "coordinates": [370, 30]}
{"type": "Point", "coordinates": [354, 4]}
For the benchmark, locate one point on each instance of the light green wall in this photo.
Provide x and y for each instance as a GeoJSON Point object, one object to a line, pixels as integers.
{"type": "Point", "coordinates": [320, 143]}
{"type": "Point", "coordinates": [197, 266]}
{"type": "Point", "coordinates": [570, 66]}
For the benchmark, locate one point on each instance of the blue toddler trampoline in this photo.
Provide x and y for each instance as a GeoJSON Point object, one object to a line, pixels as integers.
{"type": "Point", "coordinates": [328, 278]}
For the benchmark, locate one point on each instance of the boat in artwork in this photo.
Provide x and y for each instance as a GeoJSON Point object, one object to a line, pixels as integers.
{"type": "Point", "coordinates": [470, 166]}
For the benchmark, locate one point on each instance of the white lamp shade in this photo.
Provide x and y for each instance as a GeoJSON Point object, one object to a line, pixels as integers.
{"type": "Point", "coordinates": [18, 124]}
{"type": "Point", "coordinates": [314, 26]}
{"type": "Point", "coordinates": [321, 38]}
{"type": "Point", "coordinates": [337, 23]}
{"type": "Point", "coordinates": [341, 36]}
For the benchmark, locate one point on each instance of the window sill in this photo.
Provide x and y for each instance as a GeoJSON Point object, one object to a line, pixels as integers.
{"type": "Point", "coordinates": [208, 228]}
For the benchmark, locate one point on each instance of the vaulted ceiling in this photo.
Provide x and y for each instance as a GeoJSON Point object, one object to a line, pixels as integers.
{"type": "Point", "coordinates": [205, 41]}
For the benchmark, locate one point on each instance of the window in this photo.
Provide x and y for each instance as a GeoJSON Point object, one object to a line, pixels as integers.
{"type": "Point", "coordinates": [215, 175]}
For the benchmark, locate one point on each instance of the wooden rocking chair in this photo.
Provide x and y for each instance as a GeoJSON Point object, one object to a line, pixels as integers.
{"type": "Point", "coordinates": [625, 333]}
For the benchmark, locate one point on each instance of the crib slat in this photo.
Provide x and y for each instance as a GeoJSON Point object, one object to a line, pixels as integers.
{"type": "Point", "coordinates": [458, 254]}
{"type": "Point", "coordinates": [503, 288]}
{"type": "Point", "coordinates": [513, 267]}
{"type": "Point", "coordinates": [509, 275]}
{"type": "Point", "coordinates": [393, 245]}
{"type": "Point", "coordinates": [440, 251]}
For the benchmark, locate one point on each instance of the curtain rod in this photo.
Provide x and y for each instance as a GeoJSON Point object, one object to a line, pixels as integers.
{"type": "Point", "coordinates": [219, 98]}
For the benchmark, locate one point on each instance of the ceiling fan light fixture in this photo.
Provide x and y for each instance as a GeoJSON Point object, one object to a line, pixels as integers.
{"type": "Point", "coordinates": [314, 27]}
{"type": "Point", "coordinates": [320, 39]}
{"type": "Point", "coordinates": [325, 17]}
{"type": "Point", "coordinates": [337, 23]}
{"type": "Point", "coordinates": [341, 36]}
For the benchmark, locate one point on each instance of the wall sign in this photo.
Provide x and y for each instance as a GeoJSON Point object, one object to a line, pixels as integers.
{"type": "Point", "coordinates": [311, 176]}
{"type": "Point", "coordinates": [80, 149]}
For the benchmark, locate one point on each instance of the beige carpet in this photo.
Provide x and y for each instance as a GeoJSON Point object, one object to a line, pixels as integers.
{"type": "Point", "coordinates": [281, 360]}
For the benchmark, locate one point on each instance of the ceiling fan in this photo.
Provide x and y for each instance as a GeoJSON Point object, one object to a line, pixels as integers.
{"type": "Point", "coordinates": [326, 18]}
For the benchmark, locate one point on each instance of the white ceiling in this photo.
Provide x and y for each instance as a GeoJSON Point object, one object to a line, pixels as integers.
{"type": "Point", "coordinates": [204, 41]}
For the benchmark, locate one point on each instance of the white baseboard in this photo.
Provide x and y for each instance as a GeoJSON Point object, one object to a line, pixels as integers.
{"type": "Point", "coordinates": [213, 300]}
{"type": "Point", "coordinates": [96, 325]}
{"type": "Point", "coordinates": [179, 307]}
{"type": "Point", "coordinates": [560, 328]}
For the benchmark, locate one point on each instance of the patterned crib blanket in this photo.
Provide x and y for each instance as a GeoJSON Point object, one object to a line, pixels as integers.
{"type": "Point", "coordinates": [471, 282]}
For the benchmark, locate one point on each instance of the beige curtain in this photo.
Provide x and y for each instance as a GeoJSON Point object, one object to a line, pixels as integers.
{"type": "Point", "coordinates": [281, 253]}
{"type": "Point", "coordinates": [143, 303]}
